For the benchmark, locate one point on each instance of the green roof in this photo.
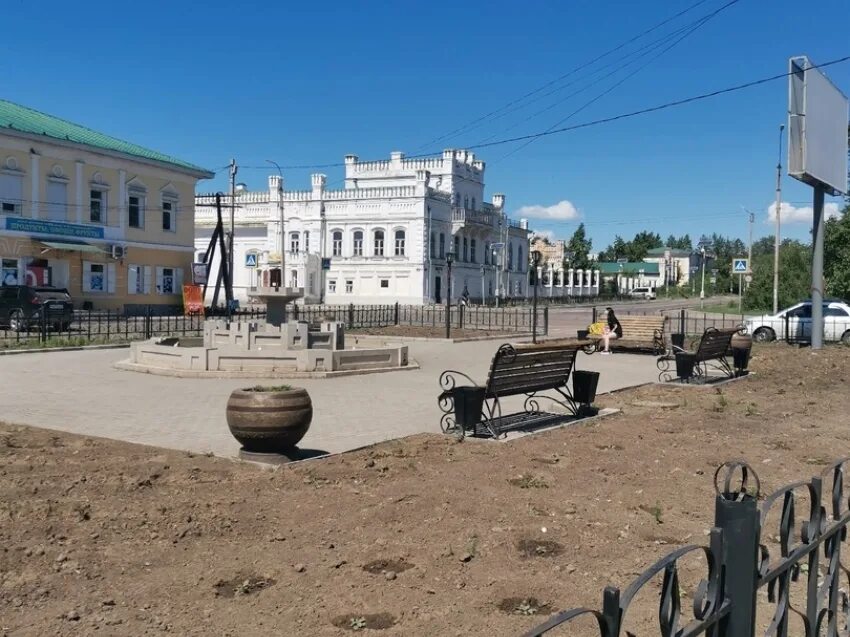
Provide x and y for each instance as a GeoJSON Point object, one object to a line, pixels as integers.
{"type": "Point", "coordinates": [26, 120]}
{"type": "Point", "coordinates": [632, 267]}
{"type": "Point", "coordinates": [674, 252]}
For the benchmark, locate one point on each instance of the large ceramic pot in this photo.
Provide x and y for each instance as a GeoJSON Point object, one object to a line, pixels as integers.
{"type": "Point", "coordinates": [269, 419]}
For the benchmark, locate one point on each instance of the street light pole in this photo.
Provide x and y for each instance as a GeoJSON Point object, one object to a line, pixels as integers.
{"type": "Point", "coordinates": [483, 293]}
{"type": "Point", "coordinates": [450, 257]}
{"type": "Point", "coordinates": [535, 260]}
{"type": "Point", "coordinates": [280, 211]}
{"type": "Point", "coordinates": [702, 288]}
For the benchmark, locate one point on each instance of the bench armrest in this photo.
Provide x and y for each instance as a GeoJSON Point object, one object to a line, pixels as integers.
{"type": "Point", "coordinates": [448, 380]}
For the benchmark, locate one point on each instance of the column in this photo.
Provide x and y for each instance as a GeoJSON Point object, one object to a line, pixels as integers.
{"type": "Point", "coordinates": [78, 180]}
{"type": "Point", "coordinates": [571, 273]}
{"type": "Point", "coordinates": [35, 195]}
{"type": "Point", "coordinates": [122, 200]}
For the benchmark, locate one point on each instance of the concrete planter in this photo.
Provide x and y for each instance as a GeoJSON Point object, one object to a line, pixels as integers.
{"type": "Point", "coordinates": [269, 420]}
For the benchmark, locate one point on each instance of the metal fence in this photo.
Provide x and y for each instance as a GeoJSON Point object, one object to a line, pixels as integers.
{"type": "Point", "coordinates": [109, 326]}
{"type": "Point", "coordinates": [757, 545]}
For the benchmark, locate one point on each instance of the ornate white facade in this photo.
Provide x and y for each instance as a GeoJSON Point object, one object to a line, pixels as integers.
{"type": "Point", "coordinates": [383, 237]}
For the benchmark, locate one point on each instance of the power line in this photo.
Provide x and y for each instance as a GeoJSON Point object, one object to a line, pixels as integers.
{"type": "Point", "coordinates": [588, 124]}
{"type": "Point", "coordinates": [564, 76]}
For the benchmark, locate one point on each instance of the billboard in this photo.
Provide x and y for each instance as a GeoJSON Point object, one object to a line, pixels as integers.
{"type": "Point", "coordinates": [817, 128]}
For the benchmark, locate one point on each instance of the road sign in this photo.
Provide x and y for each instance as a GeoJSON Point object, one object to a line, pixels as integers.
{"type": "Point", "coordinates": [740, 266]}
{"type": "Point", "coordinates": [748, 278]}
{"type": "Point", "coordinates": [713, 280]}
{"type": "Point", "coordinates": [199, 273]}
{"type": "Point", "coordinates": [250, 260]}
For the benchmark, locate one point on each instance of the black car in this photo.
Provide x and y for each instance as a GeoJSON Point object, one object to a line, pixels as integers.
{"type": "Point", "coordinates": [23, 307]}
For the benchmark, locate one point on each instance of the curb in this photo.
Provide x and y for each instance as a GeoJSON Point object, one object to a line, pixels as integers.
{"type": "Point", "coordinates": [70, 348]}
{"type": "Point", "coordinates": [127, 366]}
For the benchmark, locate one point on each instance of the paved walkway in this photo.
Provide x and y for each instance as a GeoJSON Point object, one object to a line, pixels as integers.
{"type": "Point", "coordinates": [80, 392]}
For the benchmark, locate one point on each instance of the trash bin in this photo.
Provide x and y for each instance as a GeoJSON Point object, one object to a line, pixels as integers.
{"type": "Point", "coordinates": [468, 404]}
{"type": "Point", "coordinates": [584, 386]}
{"type": "Point", "coordinates": [678, 340]}
{"type": "Point", "coordinates": [685, 365]}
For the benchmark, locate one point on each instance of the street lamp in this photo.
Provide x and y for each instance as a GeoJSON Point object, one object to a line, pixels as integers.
{"type": "Point", "coordinates": [535, 260]}
{"type": "Point", "coordinates": [483, 293]}
{"type": "Point", "coordinates": [450, 257]}
{"type": "Point", "coordinates": [703, 245]}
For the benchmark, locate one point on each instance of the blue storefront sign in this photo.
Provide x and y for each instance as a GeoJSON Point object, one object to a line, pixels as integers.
{"type": "Point", "coordinates": [56, 228]}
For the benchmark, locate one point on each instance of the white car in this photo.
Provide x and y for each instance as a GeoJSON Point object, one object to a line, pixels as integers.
{"type": "Point", "coordinates": [798, 319]}
{"type": "Point", "coordinates": [643, 293]}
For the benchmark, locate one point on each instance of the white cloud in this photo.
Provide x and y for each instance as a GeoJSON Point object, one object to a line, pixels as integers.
{"type": "Point", "coordinates": [792, 214]}
{"type": "Point", "coordinates": [563, 210]}
{"type": "Point", "coordinates": [543, 234]}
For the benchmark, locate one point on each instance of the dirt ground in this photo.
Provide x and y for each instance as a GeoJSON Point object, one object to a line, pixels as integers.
{"type": "Point", "coordinates": [422, 536]}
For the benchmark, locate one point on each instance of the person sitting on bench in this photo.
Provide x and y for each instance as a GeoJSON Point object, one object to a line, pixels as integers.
{"type": "Point", "coordinates": [613, 330]}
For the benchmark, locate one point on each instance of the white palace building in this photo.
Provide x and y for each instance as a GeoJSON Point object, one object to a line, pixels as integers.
{"type": "Point", "coordinates": [383, 238]}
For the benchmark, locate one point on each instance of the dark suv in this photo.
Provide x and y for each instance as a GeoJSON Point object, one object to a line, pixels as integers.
{"type": "Point", "coordinates": [23, 306]}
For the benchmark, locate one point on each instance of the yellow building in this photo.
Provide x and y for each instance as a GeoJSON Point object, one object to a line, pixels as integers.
{"type": "Point", "coordinates": [108, 220]}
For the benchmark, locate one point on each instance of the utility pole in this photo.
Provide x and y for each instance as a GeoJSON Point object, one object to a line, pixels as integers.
{"type": "Point", "coordinates": [777, 210]}
{"type": "Point", "coordinates": [233, 170]}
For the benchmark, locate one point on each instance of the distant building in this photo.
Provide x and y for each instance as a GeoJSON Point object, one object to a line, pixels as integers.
{"type": "Point", "coordinates": [676, 263]}
{"type": "Point", "coordinates": [550, 251]}
{"type": "Point", "coordinates": [382, 238]}
{"type": "Point", "coordinates": [626, 276]}
{"type": "Point", "coordinates": [110, 221]}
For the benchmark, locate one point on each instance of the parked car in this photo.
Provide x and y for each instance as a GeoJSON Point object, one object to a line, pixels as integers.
{"type": "Point", "coordinates": [797, 319]}
{"type": "Point", "coordinates": [643, 293]}
{"type": "Point", "coordinates": [24, 306]}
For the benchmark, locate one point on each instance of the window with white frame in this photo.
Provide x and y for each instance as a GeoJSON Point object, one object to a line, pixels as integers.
{"type": "Point", "coordinates": [332, 286]}
{"type": "Point", "coordinates": [11, 194]}
{"type": "Point", "coordinates": [97, 206]}
{"type": "Point", "coordinates": [358, 243]}
{"type": "Point", "coordinates": [294, 241]}
{"type": "Point", "coordinates": [98, 277]}
{"type": "Point", "coordinates": [139, 279]}
{"type": "Point", "coordinates": [169, 280]}
{"type": "Point", "coordinates": [349, 286]}
{"type": "Point", "coordinates": [399, 243]}
{"type": "Point", "coordinates": [336, 243]}
{"type": "Point", "coordinates": [379, 243]}
{"type": "Point", "coordinates": [169, 214]}
{"type": "Point", "coordinates": [9, 272]}
{"type": "Point", "coordinates": [136, 209]}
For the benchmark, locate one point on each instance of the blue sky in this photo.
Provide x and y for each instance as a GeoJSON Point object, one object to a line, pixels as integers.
{"type": "Point", "coordinates": [306, 83]}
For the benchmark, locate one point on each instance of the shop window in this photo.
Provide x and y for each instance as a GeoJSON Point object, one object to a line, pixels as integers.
{"type": "Point", "coordinates": [9, 272]}
{"type": "Point", "coordinates": [169, 280]}
{"type": "Point", "coordinates": [98, 277]}
{"type": "Point", "coordinates": [138, 279]}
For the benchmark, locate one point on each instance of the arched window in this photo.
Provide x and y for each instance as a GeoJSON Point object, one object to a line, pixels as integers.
{"type": "Point", "coordinates": [473, 256]}
{"type": "Point", "coordinates": [510, 256]}
{"type": "Point", "coordinates": [457, 247]}
{"type": "Point", "coordinates": [466, 202]}
{"type": "Point", "coordinates": [399, 243]}
{"type": "Point", "coordinates": [294, 241]}
{"type": "Point", "coordinates": [336, 243]}
{"type": "Point", "coordinates": [442, 245]}
{"type": "Point", "coordinates": [473, 203]}
{"type": "Point", "coordinates": [306, 241]}
{"type": "Point", "coordinates": [486, 254]}
{"type": "Point", "coordinates": [465, 250]}
{"type": "Point", "coordinates": [433, 247]}
{"type": "Point", "coordinates": [379, 243]}
{"type": "Point", "coordinates": [358, 243]}
{"type": "Point", "coordinates": [457, 199]}
{"type": "Point", "coordinates": [520, 263]}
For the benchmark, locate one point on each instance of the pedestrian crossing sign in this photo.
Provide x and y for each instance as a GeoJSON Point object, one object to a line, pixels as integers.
{"type": "Point", "coordinates": [250, 260]}
{"type": "Point", "coordinates": [740, 266]}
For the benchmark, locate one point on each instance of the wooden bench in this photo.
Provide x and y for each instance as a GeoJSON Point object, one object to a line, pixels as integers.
{"type": "Point", "coordinates": [713, 348]}
{"type": "Point", "coordinates": [529, 370]}
{"type": "Point", "coordinates": [641, 332]}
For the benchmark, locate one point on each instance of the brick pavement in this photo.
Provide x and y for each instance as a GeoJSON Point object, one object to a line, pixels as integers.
{"type": "Point", "coordinates": [81, 392]}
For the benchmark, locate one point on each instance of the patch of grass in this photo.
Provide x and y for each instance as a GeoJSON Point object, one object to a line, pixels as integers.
{"type": "Point", "coordinates": [33, 342]}
{"type": "Point", "coordinates": [654, 511]}
{"type": "Point", "coordinates": [721, 404]}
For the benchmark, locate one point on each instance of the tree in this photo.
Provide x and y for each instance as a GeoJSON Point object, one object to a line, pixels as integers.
{"type": "Point", "coordinates": [795, 276]}
{"type": "Point", "coordinates": [580, 246]}
{"type": "Point", "coordinates": [634, 250]}
{"type": "Point", "coordinates": [836, 257]}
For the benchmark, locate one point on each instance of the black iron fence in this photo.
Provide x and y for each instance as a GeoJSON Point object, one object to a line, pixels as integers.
{"type": "Point", "coordinates": [692, 323]}
{"type": "Point", "coordinates": [111, 326]}
{"type": "Point", "coordinates": [758, 544]}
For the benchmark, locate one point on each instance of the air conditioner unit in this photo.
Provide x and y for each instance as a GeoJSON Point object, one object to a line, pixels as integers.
{"type": "Point", "coordinates": [119, 252]}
